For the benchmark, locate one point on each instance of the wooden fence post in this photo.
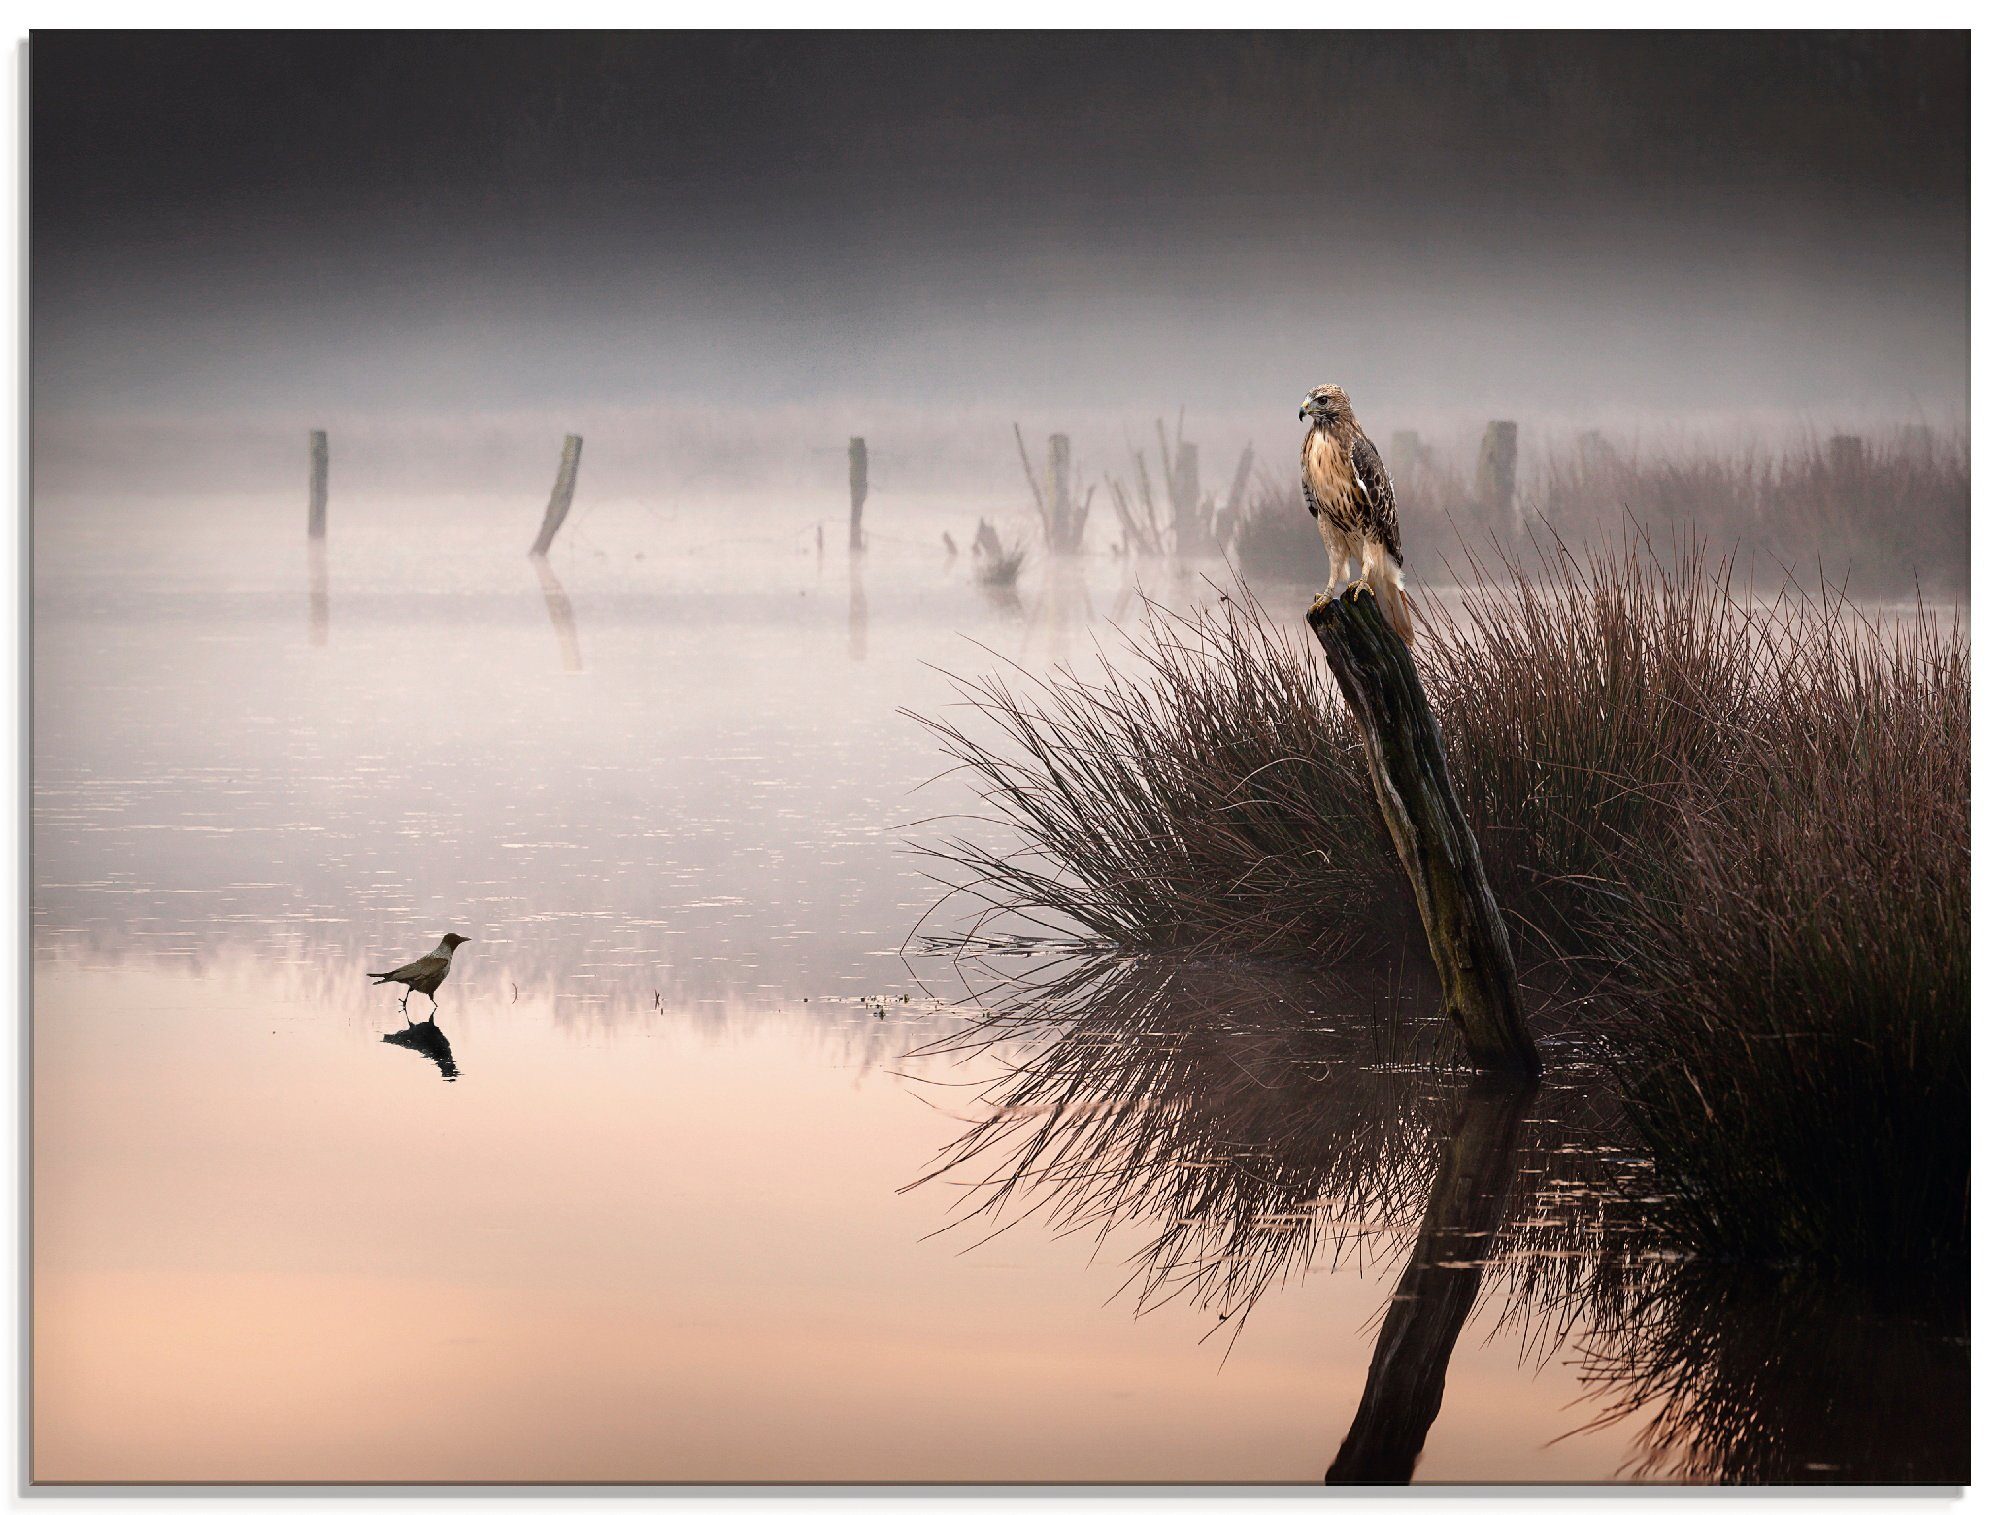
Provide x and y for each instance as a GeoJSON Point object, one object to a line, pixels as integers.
{"type": "Point", "coordinates": [1405, 751]}
{"type": "Point", "coordinates": [559, 497]}
{"type": "Point", "coordinates": [1060, 501]}
{"type": "Point", "coordinates": [316, 475]}
{"type": "Point", "coordinates": [1493, 484]}
{"type": "Point", "coordinates": [857, 490]}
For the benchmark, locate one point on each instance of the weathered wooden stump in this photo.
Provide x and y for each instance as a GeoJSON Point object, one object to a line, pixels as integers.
{"type": "Point", "coordinates": [1405, 751]}
{"type": "Point", "coordinates": [857, 490]}
{"type": "Point", "coordinates": [1468, 1202]}
{"type": "Point", "coordinates": [1062, 514]}
{"type": "Point", "coordinates": [316, 485]}
{"type": "Point", "coordinates": [1193, 517]}
{"type": "Point", "coordinates": [559, 497]}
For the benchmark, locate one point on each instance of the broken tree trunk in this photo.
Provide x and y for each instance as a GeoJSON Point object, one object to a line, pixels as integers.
{"type": "Point", "coordinates": [559, 497]}
{"type": "Point", "coordinates": [857, 490]}
{"type": "Point", "coordinates": [1468, 938]}
{"type": "Point", "coordinates": [316, 476]}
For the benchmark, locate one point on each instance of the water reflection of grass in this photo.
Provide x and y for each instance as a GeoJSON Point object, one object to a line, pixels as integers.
{"type": "Point", "coordinates": [1246, 1127]}
{"type": "Point", "coordinates": [1740, 826]}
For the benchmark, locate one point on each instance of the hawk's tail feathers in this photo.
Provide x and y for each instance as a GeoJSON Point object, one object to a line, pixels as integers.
{"type": "Point", "coordinates": [1385, 578]}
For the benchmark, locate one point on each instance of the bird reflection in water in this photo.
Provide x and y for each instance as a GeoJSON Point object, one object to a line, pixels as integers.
{"type": "Point", "coordinates": [1257, 1129]}
{"type": "Point", "coordinates": [423, 1037]}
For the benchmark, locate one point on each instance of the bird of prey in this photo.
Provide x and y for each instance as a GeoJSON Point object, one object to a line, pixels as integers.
{"type": "Point", "coordinates": [1348, 493]}
{"type": "Point", "coordinates": [425, 974]}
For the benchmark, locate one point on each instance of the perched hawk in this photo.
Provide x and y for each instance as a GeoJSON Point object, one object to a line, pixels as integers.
{"type": "Point", "coordinates": [1348, 492]}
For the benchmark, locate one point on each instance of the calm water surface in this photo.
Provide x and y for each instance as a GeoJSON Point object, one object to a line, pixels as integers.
{"type": "Point", "coordinates": [681, 1184]}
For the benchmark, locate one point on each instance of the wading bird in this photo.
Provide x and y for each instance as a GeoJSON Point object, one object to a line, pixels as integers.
{"type": "Point", "coordinates": [1348, 492]}
{"type": "Point", "coordinates": [425, 974]}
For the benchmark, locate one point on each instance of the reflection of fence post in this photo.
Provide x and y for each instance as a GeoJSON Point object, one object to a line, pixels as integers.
{"type": "Point", "coordinates": [559, 497]}
{"type": "Point", "coordinates": [316, 595]}
{"type": "Point", "coordinates": [1493, 484]}
{"type": "Point", "coordinates": [1434, 1296]}
{"type": "Point", "coordinates": [1405, 752]}
{"type": "Point", "coordinates": [857, 611]}
{"type": "Point", "coordinates": [857, 489]}
{"type": "Point", "coordinates": [316, 477]}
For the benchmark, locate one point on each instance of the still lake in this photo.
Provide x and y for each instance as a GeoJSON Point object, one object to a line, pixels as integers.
{"type": "Point", "coordinates": [641, 1205]}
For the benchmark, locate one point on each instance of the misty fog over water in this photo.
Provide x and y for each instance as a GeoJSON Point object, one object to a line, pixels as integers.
{"type": "Point", "coordinates": [723, 253]}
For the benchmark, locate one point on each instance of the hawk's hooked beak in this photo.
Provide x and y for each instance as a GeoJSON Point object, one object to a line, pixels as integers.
{"type": "Point", "coordinates": [1305, 410]}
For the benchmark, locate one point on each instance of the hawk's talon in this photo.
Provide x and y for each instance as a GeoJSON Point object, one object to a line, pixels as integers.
{"type": "Point", "coordinates": [1356, 588]}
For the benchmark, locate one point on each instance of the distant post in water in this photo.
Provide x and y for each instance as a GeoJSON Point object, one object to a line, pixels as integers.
{"type": "Point", "coordinates": [1060, 504]}
{"type": "Point", "coordinates": [857, 489]}
{"type": "Point", "coordinates": [1493, 484]}
{"type": "Point", "coordinates": [1405, 751]}
{"type": "Point", "coordinates": [316, 475]}
{"type": "Point", "coordinates": [559, 497]}
{"type": "Point", "coordinates": [1405, 450]}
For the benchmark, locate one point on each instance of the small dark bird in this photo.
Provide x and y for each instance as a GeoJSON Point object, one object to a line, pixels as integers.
{"type": "Point", "coordinates": [425, 974]}
{"type": "Point", "coordinates": [1349, 494]}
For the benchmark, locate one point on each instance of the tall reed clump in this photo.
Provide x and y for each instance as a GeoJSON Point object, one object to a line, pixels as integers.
{"type": "Point", "coordinates": [1198, 795]}
{"type": "Point", "coordinates": [1744, 822]}
{"type": "Point", "coordinates": [1878, 512]}
{"type": "Point", "coordinates": [1793, 1036]}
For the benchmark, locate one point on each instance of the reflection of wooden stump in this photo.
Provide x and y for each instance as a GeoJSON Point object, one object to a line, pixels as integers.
{"type": "Point", "coordinates": [857, 611]}
{"type": "Point", "coordinates": [1436, 1292]}
{"type": "Point", "coordinates": [562, 616]}
{"type": "Point", "coordinates": [317, 611]}
{"type": "Point", "coordinates": [1468, 938]}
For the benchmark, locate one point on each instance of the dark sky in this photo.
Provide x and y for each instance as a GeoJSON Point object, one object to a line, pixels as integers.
{"type": "Point", "coordinates": [644, 214]}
